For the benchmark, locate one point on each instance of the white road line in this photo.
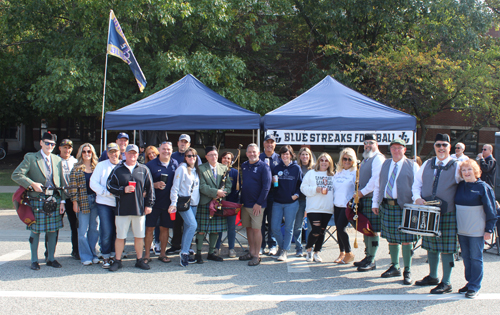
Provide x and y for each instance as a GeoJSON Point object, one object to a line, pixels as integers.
{"type": "Point", "coordinates": [240, 297]}
{"type": "Point", "coordinates": [297, 264]}
{"type": "Point", "coordinates": [12, 255]}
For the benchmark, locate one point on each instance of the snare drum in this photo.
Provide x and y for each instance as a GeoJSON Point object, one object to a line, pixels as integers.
{"type": "Point", "coordinates": [420, 220]}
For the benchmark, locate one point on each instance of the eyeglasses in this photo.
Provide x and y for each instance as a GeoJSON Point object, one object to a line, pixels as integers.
{"type": "Point", "coordinates": [86, 151]}
{"type": "Point", "coordinates": [190, 156]}
{"type": "Point", "coordinates": [346, 159]}
{"type": "Point", "coordinates": [438, 145]}
{"type": "Point", "coordinates": [369, 142]}
{"type": "Point", "coordinates": [50, 144]}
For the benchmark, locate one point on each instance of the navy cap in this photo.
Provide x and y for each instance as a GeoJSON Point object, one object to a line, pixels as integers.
{"type": "Point", "coordinates": [122, 135]}
{"type": "Point", "coordinates": [269, 137]}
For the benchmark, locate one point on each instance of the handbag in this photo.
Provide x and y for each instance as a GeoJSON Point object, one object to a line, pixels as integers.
{"type": "Point", "coordinates": [184, 202]}
{"type": "Point", "coordinates": [224, 208]}
{"type": "Point", "coordinates": [24, 211]}
{"type": "Point", "coordinates": [364, 225]}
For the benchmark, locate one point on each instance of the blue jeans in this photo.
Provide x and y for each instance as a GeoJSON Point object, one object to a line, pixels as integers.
{"type": "Point", "coordinates": [190, 225]}
{"type": "Point", "coordinates": [297, 227]}
{"type": "Point", "coordinates": [107, 229]}
{"type": "Point", "coordinates": [289, 211]}
{"type": "Point", "coordinates": [472, 254]}
{"type": "Point", "coordinates": [231, 233]}
{"type": "Point", "coordinates": [87, 232]}
{"type": "Point", "coordinates": [271, 240]}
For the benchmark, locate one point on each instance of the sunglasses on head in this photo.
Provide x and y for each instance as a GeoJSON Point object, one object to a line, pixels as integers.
{"type": "Point", "coordinates": [346, 159]}
{"type": "Point", "coordinates": [166, 142]}
{"type": "Point", "coordinates": [190, 156]}
{"type": "Point", "coordinates": [438, 145]}
{"type": "Point", "coordinates": [49, 144]}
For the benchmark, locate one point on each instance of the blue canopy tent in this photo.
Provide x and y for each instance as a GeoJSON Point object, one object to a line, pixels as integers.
{"type": "Point", "coordinates": [330, 106]}
{"type": "Point", "coordinates": [185, 105]}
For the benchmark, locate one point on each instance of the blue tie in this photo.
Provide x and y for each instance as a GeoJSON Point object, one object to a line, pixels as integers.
{"type": "Point", "coordinates": [390, 185]}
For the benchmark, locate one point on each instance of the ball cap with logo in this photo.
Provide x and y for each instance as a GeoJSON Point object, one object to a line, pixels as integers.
{"type": "Point", "coordinates": [132, 147]}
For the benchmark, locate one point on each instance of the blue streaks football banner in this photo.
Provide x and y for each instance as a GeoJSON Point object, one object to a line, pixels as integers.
{"type": "Point", "coordinates": [119, 47]}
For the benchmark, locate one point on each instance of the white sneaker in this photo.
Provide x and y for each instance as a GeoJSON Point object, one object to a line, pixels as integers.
{"type": "Point", "coordinates": [232, 253]}
{"type": "Point", "coordinates": [317, 258]}
{"type": "Point", "coordinates": [157, 249]}
{"type": "Point", "coordinates": [96, 261]}
{"type": "Point", "coordinates": [261, 251]}
{"type": "Point", "coordinates": [273, 251]}
{"type": "Point", "coordinates": [283, 256]}
{"type": "Point", "coordinates": [87, 263]}
{"type": "Point", "coordinates": [309, 255]}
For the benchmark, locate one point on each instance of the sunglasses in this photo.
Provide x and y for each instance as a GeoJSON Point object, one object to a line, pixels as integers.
{"type": "Point", "coordinates": [438, 145]}
{"type": "Point", "coordinates": [86, 152]}
{"type": "Point", "coordinates": [190, 156]}
{"type": "Point", "coordinates": [369, 142]}
{"type": "Point", "coordinates": [485, 149]}
{"type": "Point", "coordinates": [458, 148]}
{"type": "Point", "coordinates": [346, 159]}
{"type": "Point", "coordinates": [166, 142]}
{"type": "Point", "coordinates": [50, 144]}
{"type": "Point", "coordinates": [324, 160]}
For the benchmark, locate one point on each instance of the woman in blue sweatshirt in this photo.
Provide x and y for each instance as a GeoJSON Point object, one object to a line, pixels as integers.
{"type": "Point", "coordinates": [286, 197]}
{"type": "Point", "coordinates": [476, 218]}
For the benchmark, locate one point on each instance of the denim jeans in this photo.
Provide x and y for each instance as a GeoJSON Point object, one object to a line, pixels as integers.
{"type": "Point", "coordinates": [107, 229]}
{"type": "Point", "coordinates": [87, 232]}
{"type": "Point", "coordinates": [268, 211]}
{"type": "Point", "coordinates": [472, 254]}
{"type": "Point", "coordinates": [297, 227]}
{"type": "Point", "coordinates": [190, 225]}
{"type": "Point", "coordinates": [231, 233]}
{"type": "Point", "coordinates": [289, 211]}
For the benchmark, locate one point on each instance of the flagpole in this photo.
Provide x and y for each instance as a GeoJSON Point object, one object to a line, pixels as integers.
{"type": "Point", "coordinates": [104, 89]}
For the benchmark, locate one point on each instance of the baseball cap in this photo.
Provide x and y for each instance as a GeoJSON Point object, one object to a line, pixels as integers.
{"type": "Point", "coordinates": [269, 137]}
{"type": "Point", "coordinates": [185, 137]}
{"type": "Point", "coordinates": [122, 135]}
{"type": "Point", "coordinates": [113, 146]}
{"type": "Point", "coordinates": [399, 141]}
{"type": "Point", "coordinates": [66, 142]}
{"type": "Point", "coordinates": [132, 147]}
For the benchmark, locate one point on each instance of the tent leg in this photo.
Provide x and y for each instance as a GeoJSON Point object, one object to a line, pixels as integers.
{"type": "Point", "coordinates": [415, 145]}
{"type": "Point", "coordinates": [105, 138]}
{"type": "Point", "coordinates": [258, 138]}
{"type": "Point", "coordinates": [134, 136]}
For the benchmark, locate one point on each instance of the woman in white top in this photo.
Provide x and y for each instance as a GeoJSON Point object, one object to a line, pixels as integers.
{"type": "Point", "coordinates": [317, 186]}
{"type": "Point", "coordinates": [343, 187]}
{"type": "Point", "coordinates": [186, 183]}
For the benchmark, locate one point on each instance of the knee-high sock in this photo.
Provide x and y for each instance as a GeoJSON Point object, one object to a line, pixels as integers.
{"type": "Point", "coordinates": [34, 240]}
{"type": "Point", "coordinates": [51, 244]}
{"type": "Point", "coordinates": [199, 242]}
{"type": "Point", "coordinates": [407, 256]}
{"type": "Point", "coordinates": [212, 240]}
{"type": "Point", "coordinates": [448, 264]}
{"type": "Point", "coordinates": [368, 245]}
{"type": "Point", "coordinates": [433, 258]}
{"type": "Point", "coordinates": [374, 240]}
{"type": "Point", "coordinates": [394, 251]}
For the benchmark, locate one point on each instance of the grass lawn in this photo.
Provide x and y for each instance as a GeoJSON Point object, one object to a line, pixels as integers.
{"type": "Point", "coordinates": [5, 180]}
{"type": "Point", "coordinates": [6, 201]}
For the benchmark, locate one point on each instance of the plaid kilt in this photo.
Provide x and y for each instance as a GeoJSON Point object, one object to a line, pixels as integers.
{"type": "Point", "coordinates": [390, 219]}
{"type": "Point", "coordinates": [45, 223]}
{"type": "Point", "coordinates": [207, 225]}
{"type": "Point", "coordinates": [366, 205]}
{"type": "Point", "coordinates": [448, 241]}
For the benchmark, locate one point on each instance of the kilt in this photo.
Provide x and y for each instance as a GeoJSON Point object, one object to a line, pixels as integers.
{"type": "Point", "coordinates": [366, 205]}
{"type": "Point", "coordinates": [390, 219]}
{"type": "Point", "coordinates": [45, 223]}
{"type": "Point", "coordinates": [207, 225]}
{"type": "Point", "coordinates": [448, 241]}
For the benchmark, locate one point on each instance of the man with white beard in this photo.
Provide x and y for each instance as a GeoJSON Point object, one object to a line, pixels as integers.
{"type": "Point", "coordinates": [369, 173]}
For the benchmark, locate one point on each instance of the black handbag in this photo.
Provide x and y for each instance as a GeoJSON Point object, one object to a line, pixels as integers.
{"type": "Point", "coordinates": [184, 202]}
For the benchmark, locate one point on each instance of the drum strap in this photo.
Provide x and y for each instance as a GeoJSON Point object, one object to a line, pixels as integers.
{"type": "Point", "coordinates": [436, 179]}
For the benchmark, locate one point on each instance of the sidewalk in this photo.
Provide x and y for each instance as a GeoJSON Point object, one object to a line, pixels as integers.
{"type": "Point", "coordinates": [8, 189]}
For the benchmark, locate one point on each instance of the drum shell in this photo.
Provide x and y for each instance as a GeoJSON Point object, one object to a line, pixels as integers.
{"type": "Point", "coordinates": [421, 220]}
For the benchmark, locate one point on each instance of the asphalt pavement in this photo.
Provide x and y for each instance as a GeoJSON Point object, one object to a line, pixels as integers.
{"type": "Point", "coordinates": [229, 287]}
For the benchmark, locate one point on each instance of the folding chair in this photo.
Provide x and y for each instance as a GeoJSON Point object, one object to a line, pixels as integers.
{"type": "Point", "coordinates": [330, 230]}
{"type": "Point", "coordinates": [494, 242]}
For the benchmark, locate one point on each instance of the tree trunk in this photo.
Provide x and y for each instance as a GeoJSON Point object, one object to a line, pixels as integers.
{"type": "Point", "coordinates": [423, 129]}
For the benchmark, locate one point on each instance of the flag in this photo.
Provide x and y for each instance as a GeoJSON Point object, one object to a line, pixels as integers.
{"type": "Point", "coordinates": [119, 47]}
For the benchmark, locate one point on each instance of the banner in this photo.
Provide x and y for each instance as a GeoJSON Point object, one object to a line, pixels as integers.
{"type": "Point", "coordinates": [119, 47]}
{"type": "Point", "coordinates": [315, 137]}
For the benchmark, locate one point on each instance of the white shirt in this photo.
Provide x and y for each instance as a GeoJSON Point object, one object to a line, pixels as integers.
{"type": "Point", "coordinates": [417, 182]}
{"type": "Point", "coordinates": [214, 170]}
{"type": "Point", "coordinates": [378, 160]}
{"type": "Point", "coordinates": [460, 159]}
{"type": "Point", "coordinates": [130, 168]}
{"type": "Point", "coordinates": [344, 185]}
{"type": "Point", "coordinates": [316, 202]}
{"type": "Point", "coordinates": [376, 191]}
{"type": "Point", "coordinates": [98, 183]}
{"type": "Point", "coordinates": [67, 166]}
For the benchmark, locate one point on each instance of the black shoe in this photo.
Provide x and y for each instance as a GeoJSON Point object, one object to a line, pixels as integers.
{"type": "Point", "coordinates": [442, 288]}
{"type": "Point", "coordinates": [367, 267]}
{"type": "Point", "coordinates": [407, 278]}
{"type": "Point", "coordinates": [75, 255]}
{"type": "Point", "coordinates": [471, 294]}
{"type": "Point", "coordinates": [140, 263]}
{"type": "Point", "coordinates": [54, 264]}
{"type": "Point", "coordinates": [117, 264]}
{"type": "Point", "coordinates": [173, 250]}
{"type": "Point", "coordinates": [427, 280]}
{"type": "Point", "coordinates": [391, 272]}
{"type": "Point", "coordinates": [35, 266]}
{"type": "Point", "coordinates": [362, 262]}
{"type": "Point", "coordinates": [198, 258]}
{"type": "Point", "coordinates": [214, 257]}
{"type": "Point", "coordinates": [463, 290]}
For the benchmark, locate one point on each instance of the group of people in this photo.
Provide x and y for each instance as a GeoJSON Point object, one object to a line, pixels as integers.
{"type": "Point", "coordinates": [104, 197]}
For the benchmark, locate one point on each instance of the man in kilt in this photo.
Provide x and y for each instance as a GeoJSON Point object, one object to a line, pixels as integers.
{"type": "Point", "coordinates": [437, 179]}
{"type": "Point", "coordinates": [211, 174]}
{"type": "Point", "coordinates": [369, 172]}
{"type": "Point", "coordinates": [389, 196]}
{"type": "Point", "coordinates": [37, 170]}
